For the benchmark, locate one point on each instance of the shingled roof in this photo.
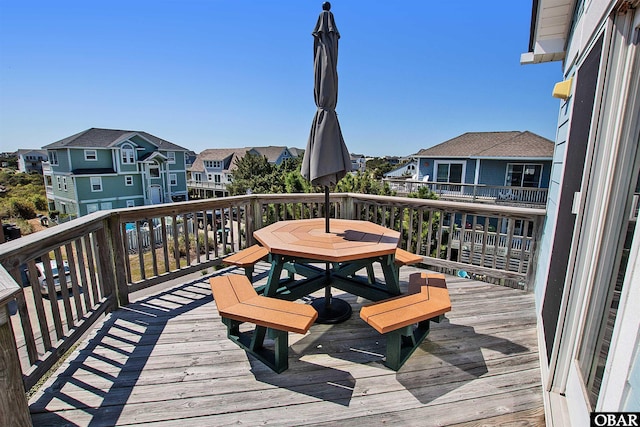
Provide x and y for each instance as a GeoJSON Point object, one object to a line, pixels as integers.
{"type": "Point", "coordinates": [105, 138]}
{"type": "Point", "coordinates": [493, 145]}
{"type": "Point", "coordinates": [226, 155]}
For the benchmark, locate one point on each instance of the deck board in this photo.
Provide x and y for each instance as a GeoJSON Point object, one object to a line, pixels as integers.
{"type": "Point", "coordinates": [165, 360]}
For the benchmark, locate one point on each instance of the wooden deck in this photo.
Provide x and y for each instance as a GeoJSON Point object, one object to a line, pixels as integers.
{"type": "Point", "coordinates": [165, 360]}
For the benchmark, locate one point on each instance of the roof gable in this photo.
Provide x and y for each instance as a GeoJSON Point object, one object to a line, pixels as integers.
{"type": "Point", "coordinates": [107, 138]}
{"type": "Point", "coordinates": [492, 145]}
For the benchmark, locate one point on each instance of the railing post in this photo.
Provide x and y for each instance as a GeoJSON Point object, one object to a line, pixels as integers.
{"type": "Point", "coordinates": [14, 408]}
{"type": "Point", "coordinates": [106, 267]}
{"type": "Point", "coordinates": [119, 254]}
{"type": "Point", "coordinates": [348, 207]}
{"type": "Point", "coordinates": [536, 236]}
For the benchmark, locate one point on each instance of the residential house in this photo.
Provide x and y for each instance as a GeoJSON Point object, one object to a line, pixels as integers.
{"type": "Point", "coordinates": [510, 167]}
{"type": "Point", "coordinates": [274, 154]}
{"type": "Point", "coordinates": [31, 160]}
{"type": "Point", "coordinates": [587, 285]}
{"type": "Point", "coordinates": [104, 168]}
{"type": "Point", "coordinates": [212, 170]}
{"type": "Point", "coordinates": [407, 170]}
{"type": "Point", "coordinates": [358, 163]}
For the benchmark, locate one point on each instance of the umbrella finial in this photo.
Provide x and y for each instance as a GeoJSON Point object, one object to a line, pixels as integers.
{"type": "Point", "coordinates": [326, 6]}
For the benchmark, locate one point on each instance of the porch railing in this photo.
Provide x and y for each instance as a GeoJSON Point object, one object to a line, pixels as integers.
{"type": "Point", "coordinates": [479, 193]}
{"type": "Point", "coordinates": [109, 254]}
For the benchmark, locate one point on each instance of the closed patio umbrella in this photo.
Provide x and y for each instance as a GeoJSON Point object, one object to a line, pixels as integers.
{"type": "Point", "coordinates": [326, 159]}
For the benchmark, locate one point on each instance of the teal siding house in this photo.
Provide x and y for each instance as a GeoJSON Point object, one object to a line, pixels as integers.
{"type": "Point", "coordinates": [100, 169]}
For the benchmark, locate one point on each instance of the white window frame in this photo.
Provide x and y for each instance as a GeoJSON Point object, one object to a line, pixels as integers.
{"type": "Point", "coordinates": [91, 155]}
{"type": "Point", "coordinates": [217, 178]}
{"type": "Point", "coordinates": [92, 207]}
{"type": "Point", "coordinates": [128, 180]}
{"type": "Point", "coordinates": [64, 183]}
{"type": "Point", "coordinates": [127, 154]}
{"type": "Point", "coordinates": [96, 184]}
{"type": "Point", "coordinates": [131, 203]}
{"type": "Point", "coordinates": [59, 183]}
{"type": "Point", "coordinates": [171, 157]}
{"type": "Point", "coordinates": [451, 162]}
{"type": "Point", "coordinates": [53, 158]}
{"type": "Point", "coordinates": [154, 167]}
{"type": "Point", "coordinates": [524, 168]}
{"type": "Point", "coordinates": [173, 179]}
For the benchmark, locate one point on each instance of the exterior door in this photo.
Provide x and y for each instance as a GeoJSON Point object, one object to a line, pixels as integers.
{"type": "Point", "coordinates": [156, 194]}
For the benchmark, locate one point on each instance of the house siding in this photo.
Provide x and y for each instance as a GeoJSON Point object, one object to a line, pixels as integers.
{"type": "Point", "coordinates": [104, 159]}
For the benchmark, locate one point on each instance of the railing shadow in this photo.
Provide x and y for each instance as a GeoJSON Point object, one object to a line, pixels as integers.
{"type": "Point", "coordinates": [122, 346]}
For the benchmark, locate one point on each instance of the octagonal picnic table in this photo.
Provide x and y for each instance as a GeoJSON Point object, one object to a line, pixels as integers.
{"type": "Point", "coordinates": [296, 246]}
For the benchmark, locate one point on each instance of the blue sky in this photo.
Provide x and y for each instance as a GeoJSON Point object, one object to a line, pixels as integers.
{"type": "Point", "coordinates": [236, 73]}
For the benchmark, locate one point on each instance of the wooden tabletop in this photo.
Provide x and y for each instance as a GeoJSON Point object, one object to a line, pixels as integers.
{"type": "Point", "coordinates": [347, 240]}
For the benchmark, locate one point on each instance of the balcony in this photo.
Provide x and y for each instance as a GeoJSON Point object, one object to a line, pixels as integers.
{"type": "Point", "coordinates": [157, 351]}
{"type": "Point", "coordinates": [476, 193]}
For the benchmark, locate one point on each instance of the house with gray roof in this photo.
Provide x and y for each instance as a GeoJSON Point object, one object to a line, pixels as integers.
{"type": "Point", "coordinates": [212, 170]}
{"type": "Point", "coordinates": [274, 154]}
{"type": "Point", "coordinates": [503, 166]}
{"type": "Point", "coordinates": [99, 169]}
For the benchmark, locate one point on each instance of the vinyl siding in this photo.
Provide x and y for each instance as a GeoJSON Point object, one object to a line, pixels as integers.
{"type": "Point", "coordinates": [104, 159]}
{"type": "Point", "coordinates": [553, 198]}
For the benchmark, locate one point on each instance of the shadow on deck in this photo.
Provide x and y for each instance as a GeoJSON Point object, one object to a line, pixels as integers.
{"type": "Point", "coordinates": [165, 359]}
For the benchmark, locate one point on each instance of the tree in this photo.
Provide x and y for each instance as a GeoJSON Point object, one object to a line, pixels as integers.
{"type": "Point", "coordinates": [253, 174]}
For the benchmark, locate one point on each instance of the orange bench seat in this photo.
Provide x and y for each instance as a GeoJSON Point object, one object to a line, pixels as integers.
{"type": "Point", "coordinates": [238, 302]}
{"type": "Point", "coordinates": [395, 317]}
{"type": "Point", "coordinates": [247, 258]}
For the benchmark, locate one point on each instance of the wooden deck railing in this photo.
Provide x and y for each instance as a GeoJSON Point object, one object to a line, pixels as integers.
{"type": "Point", "coordinates": [110, 254]}
{"type": "Point", "coordinates": [478, 193]}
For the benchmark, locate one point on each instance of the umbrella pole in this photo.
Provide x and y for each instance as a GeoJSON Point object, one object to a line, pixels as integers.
{"type": "Point", "coordinates": [330, 310]}
{"type": "Point", "coordinates": [327, 286]}
{"type": "Point", "coordinates": [326, 208]}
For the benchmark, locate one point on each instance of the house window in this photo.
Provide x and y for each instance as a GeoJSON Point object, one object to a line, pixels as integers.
{"type": "Point", "coordinates": [127, 154]}
{"type": "Point", "coordinates": [131, 203]}
{"type": "Point", "coordinates": [92, 207]}
{"type": "Point", "coordinates": [523, 175]}
{"type": "Point", "coordinates": [53, 157]}
{"type": "Point", "coordinates": [90, 155]}
{"type": "Point", "coordinates": [47, 180]}
{"type": "Point", "coordinates": [173, 179]}
{"type": "Point", "coordinates": [171, 156]}
{"type": "Point", "coordinates": [217, 178]}
{"type": "Point", "coordinates": [128, 180]}
{"type": "Point", "coordinates": [197, 177]}
{"type": "Point", "coordinates": [213, 164]}
{"type": "Point", "coordinates": [229, 178]}
{"type": "Point", "coordinates": [449, 172]}
{"type": "Point", "coordinates": [154, 170]}
{"type": "Point", "coordinates": [64, 183]}
{"type": "Point", "coordinates": [59, 183]}
{"type": "Point", "coordinates": [209, 177]}
{"type": "Point", "coordinates": [96, 183]}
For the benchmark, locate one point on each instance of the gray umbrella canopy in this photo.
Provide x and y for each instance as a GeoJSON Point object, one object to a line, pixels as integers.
{"type": "Point", "coordinates": [326, 159]}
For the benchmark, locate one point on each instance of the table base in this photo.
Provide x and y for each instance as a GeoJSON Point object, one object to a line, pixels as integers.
{"type": "Point", "coordinates": [337, 312]}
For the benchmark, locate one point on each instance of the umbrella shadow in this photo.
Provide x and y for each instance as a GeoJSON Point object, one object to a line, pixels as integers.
{"type": "Point", "coordinates": [317, 381]}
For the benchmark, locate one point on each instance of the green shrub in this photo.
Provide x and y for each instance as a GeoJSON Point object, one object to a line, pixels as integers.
{"type": "Point", "coordinates": [24, 209]}
{"type": "Point", "coordinates": [40, 203]}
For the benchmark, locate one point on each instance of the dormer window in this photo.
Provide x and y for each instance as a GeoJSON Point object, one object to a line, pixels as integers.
{"type": "Point", "coordinates": [213, 164]}
{"type": "Point", "coordinates": [127, 154]}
